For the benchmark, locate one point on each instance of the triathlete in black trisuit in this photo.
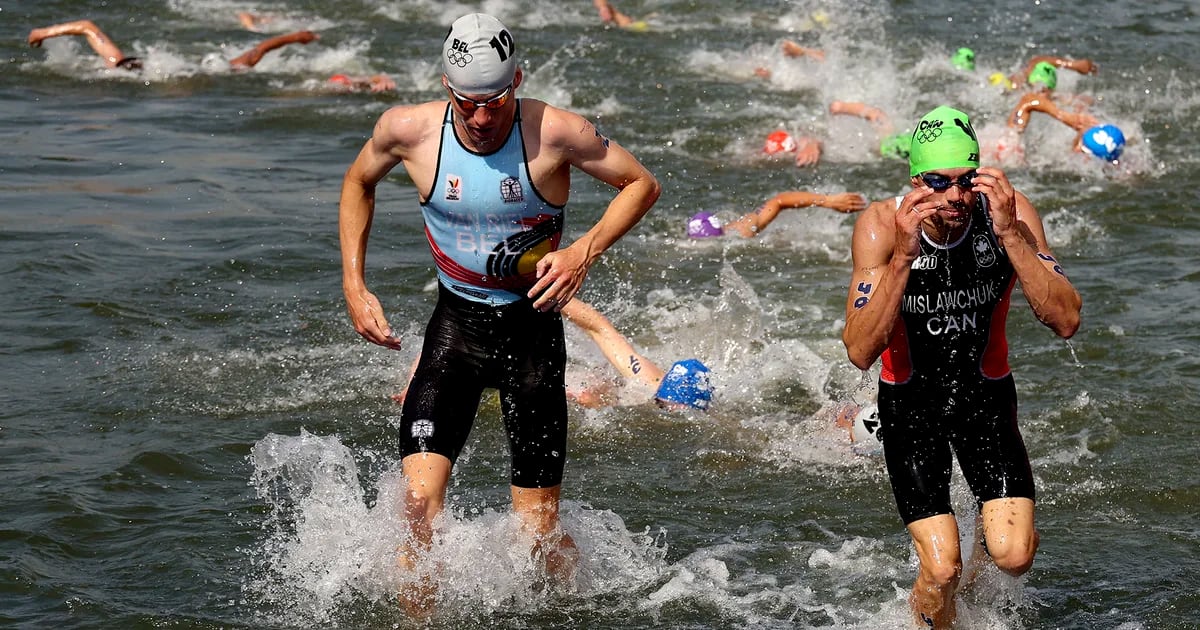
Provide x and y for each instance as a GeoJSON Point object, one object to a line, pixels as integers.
{"type": "Point", "coordinates": [929, 294]}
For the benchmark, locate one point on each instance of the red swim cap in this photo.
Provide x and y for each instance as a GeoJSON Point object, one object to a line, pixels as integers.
{"type": "Point", "coordinates": [341, 79]}
{"type": "Point", "coordinates": [779, 142]}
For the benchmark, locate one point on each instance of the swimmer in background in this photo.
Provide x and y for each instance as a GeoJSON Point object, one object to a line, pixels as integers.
{"type": "Point", "coordinates": [794, 50]}
{"type": "Point", "coordinates": [751, 224]}
{"type": "Point", "coordinates": [374, 83]}
{"type": "Point", "coordinates": [861, 423]}
{"type": "Point", "coordinates": [963, 59]}
{"type": "Point", "coordinates": [96, 38]}
{"type": "Point", "coordinates": [806, 148]}
{"type": "Point", "coordinates": [114, 58]}
{"type": "Point", "coordinates": [611, 15]}
{"type": "Point", "coordinates": [251, 57]}
{"type": "Point", "coordinates": [1026, 74]}
{"type": "Point", "coordinates": [1104, 141]}
{"type": "Point", "coordinates": [254, 21]}
{"type": "Point", "coordinates": [891, 144]}
{"type": "Point", "coordinates": [684, 385]}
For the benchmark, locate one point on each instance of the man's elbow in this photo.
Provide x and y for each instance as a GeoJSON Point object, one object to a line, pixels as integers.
{"type": "Point", "coordinates": [860, 363]}
{"type": "Point", "coordinates": [654, 190]}
{"type": "Point", "coordinates": [861, 358]}
{"type": "Point", "coordinates": [354, 180]}
{"type": "Point", "coordinates": [1065, 319]}
{"type": "Point", "coordinates": [1067, 326]}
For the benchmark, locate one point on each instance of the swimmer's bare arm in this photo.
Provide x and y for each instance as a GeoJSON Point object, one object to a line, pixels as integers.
{"type": "Point", "coordinates": [1082, 66]}
{"type": "Point", "coordinates": [398, 137]}
{"type": "Point", "coordinates": [753, 223]}
{"type": "Point", "coordinates": [878, 119]}
{"type": "Point", "coordinates": [1019, 229]}
{"type": "Point", "coordinates": [793, 49]}
{"type": "Point", "coordinates": [616, 348]}
{"type": "Point", "coordinates": [1035, 102]}
{"type": "Point", "coordinates": [1031, 102]}
{"type": "Point", "coordinates": [251, 57]}
{"type": "Point", "coordinates": [808, 151]}
{"type": "Point", "coordinates": [884, 246]}
{"type": "Point", "coordinates": [576, 143]}
{"type": "Point", "coordinates": [101, 43]}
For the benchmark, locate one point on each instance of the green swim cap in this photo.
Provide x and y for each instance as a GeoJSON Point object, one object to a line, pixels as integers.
{"type": "Point", "coordinates": [1045, 74]}
{"type": "Point", "coordinates": [896, 146]}
{"type": "Point", "coordinates": [943, 139]}
{"type": "Point", "coordinates": [963, 59]}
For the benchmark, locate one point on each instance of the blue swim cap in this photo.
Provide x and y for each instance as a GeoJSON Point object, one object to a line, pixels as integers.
{"type": "Point", "coordinates": [686, 383]}
{"type": "Point", "coordinates": [1104, 141]}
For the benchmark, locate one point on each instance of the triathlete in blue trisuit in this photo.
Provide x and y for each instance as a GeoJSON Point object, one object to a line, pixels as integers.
{"type": "Point", "coordinates": [494, 174]}
{"type": "Point", "coordinates": [929, 294]}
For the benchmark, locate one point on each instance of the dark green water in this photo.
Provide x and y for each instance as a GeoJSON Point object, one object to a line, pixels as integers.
{"type": "Point", "coordinates": [192, 436]}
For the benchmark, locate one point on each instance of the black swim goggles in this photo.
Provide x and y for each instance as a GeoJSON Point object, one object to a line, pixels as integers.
{"type": "Point", "coordinates": [940, 183]}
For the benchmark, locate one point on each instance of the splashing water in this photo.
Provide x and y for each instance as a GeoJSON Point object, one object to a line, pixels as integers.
{"type": "Point", "coordinates": [326, 554]}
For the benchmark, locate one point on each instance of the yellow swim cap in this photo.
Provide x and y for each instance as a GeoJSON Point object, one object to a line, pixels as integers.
{"type": "Point", "coordinates": [998, 78]}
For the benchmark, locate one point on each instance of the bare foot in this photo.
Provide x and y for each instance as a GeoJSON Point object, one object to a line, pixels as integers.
{"type": "Point", "coordinates": [418, 592]}
{"type": "Point", "coordinates": [561, 561]}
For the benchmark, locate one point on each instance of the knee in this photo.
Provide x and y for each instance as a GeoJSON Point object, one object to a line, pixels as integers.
{"type": "Point", "coordinates": [1014, 556]}
{"type": "Point", "coordinates": [422, 504]}
{"type": "Point", "coordinates": [941, 575]}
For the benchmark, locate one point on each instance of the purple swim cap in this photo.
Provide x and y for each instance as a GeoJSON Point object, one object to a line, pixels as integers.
{"type": "Point", "coordinates": [704, 225]}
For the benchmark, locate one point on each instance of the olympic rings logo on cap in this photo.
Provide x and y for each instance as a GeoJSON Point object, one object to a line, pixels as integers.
{"type": "Point", "coordinates": [928, 131]}
{"type": "Point", "coordinates": [928, 135]}
{"type": "Point", "coordinates": [460, 59]}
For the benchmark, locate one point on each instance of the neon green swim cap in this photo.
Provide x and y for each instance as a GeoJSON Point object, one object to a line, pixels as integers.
{"type": "Point", "coordinates": [1045, 74]}
{"type": "Point", "coordinates": [963, 59]}
{"type": "Point", "coordinates": [896, 146]}
{"type": "Point", "coordinates": [943, 139]}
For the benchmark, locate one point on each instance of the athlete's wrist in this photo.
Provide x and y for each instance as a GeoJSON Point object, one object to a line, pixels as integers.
{"type": "Point", "coordinates": [1010, 238]}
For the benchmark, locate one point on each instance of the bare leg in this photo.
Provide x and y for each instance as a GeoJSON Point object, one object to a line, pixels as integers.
{"type": "Point", "coordinates": [427, 476]}
{"type": "Point", "coordinates": [538, 510]}
{"type": "Point", "coordinates": [932, 599]}
{"type": "Point", "coordinates": [978, 557]}
{"type": "Point", "coordinates": [1011, 543]}
{"type": "Point", "coordinates": [1012, 539]}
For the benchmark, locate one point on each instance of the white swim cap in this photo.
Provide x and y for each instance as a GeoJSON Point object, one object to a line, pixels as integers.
{"type": "Point", "coordinates": [866, 425]}
{"type": "Point", "coordinates": [477, 56]}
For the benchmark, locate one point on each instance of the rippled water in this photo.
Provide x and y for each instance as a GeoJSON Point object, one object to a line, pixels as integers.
{"type": "Point", "coordinates": [192, 435]}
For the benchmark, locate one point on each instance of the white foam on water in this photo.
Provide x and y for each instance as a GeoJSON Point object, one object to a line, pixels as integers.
{"type": "Point", "coordinates": [272, 18]}
{"type": "Point", "coordinates": [326, 551]}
